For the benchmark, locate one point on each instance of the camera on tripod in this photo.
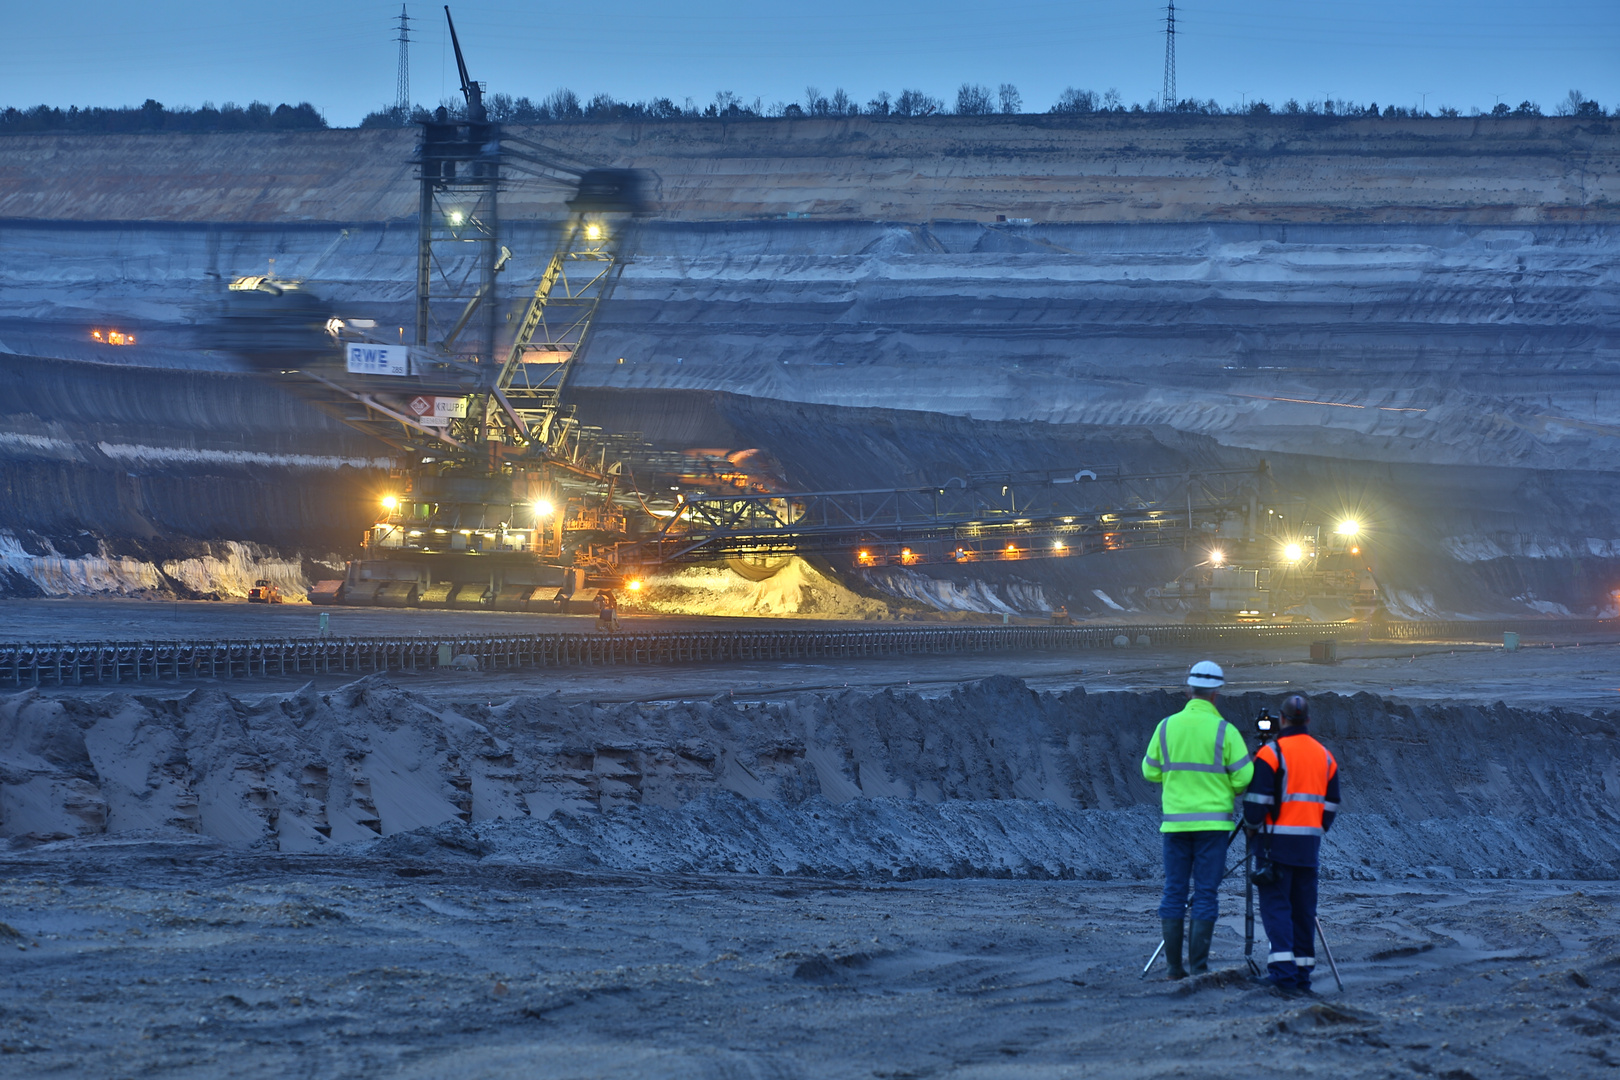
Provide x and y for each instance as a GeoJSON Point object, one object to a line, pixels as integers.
{"type": "Point", "coordinates": [1264, 871]}
{"type": "Point", "coordinates": [1266, 725]}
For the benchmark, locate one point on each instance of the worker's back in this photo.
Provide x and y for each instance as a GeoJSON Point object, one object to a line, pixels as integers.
{"type": "Point", "coordinates": [1203, 765]}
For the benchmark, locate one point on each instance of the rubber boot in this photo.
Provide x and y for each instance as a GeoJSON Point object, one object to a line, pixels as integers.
{"type": "Point", "coordinates": [1172, 948]}
{"type": "Point", "coordinates": [1198, 946]}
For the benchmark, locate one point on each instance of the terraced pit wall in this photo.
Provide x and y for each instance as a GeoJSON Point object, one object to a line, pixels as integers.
{"type": "Point", "coordinates": [1395, 305]}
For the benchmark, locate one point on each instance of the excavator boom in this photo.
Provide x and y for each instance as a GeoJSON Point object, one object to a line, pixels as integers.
{"type": "Point", "coordinates": [469, 89]}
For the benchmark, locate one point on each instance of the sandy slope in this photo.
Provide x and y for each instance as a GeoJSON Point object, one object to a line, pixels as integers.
{"type": "Point", "coordinates": [991, 779]}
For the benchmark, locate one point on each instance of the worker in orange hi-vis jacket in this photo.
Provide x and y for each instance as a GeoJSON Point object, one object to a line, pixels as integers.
{"type": "Point", "coordinates": [1290, 805]}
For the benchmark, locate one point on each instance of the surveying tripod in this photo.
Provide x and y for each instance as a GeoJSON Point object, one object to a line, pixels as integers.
{"type": "Point", "coordinates": [1229, 837]}
{"type": "Point", "coordinates": [1248, 915]}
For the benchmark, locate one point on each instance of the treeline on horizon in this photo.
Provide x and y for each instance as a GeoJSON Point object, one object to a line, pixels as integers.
{"type": "Point", "coordinates": [566, 106]}
{"type": "Point", "coordinates": [971, 100]}
{"type": "Point", "coordinates": [154, 116]}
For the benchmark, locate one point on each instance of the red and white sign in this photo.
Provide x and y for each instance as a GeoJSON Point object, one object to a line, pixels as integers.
{"type": "Point", "coordinates": [437, 411]}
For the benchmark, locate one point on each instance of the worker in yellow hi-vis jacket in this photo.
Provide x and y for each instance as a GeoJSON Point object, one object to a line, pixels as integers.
{"type": "Point", "coordinates": [1203, 765]}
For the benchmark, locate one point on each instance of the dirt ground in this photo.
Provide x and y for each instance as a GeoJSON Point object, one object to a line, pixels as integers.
{"type": "Point", "coordinates": [184, 960]}
{"type": "Point", "coordinates": [161, 954]}
{"type": "Point", "coordinates": [1585, 676]}
{"type": "Point", "coordinates": [1559, 670]}
{"type": "Point", "coordinates": [120, 619]}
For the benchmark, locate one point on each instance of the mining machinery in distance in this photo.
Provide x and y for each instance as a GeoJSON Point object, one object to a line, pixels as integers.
{"type": "Point", "coordinates": [504, 499]}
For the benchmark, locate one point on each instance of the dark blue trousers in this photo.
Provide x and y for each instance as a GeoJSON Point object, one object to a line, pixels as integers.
{"type": "Point", "coordinates": [1197, 859]}
{"type": "Point", "coordinates": [1288, 909]}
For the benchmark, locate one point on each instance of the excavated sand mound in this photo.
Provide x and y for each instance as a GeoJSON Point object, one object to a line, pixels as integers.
{"type": "Point", "coordinates": [796, 589]}
{"type": "Point", "coordinates": [990, 780]}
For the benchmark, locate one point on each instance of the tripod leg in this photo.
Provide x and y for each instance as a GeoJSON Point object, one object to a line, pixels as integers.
{"type": "Point", "coordinates": [1152, 958]}
{"type": "Point", "coordinates": [1248, 906]}
{"type": "Point", "coordinates": [1329, 950]}
{"type": "Point", "coordinates": [1160, 949]}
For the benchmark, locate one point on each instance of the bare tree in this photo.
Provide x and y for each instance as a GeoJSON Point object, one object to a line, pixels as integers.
{"type": "Point", "coordinates": [563, 104]}
{"type": "Point", "coordinates": [1012, 102]}
{"type": "Point", "coordinates": [500, 108]}
{"type": "Point", "coordinates": [814, 103]}
{"type": "Point", "coordinates": [1076, 102]}
{"type": "Point", "coordinates": [973, 99]}
{"type": "Point", "coordinates": [879, 106]}
{"type": "Point", "coordinates": [916, 103]}
{"type": "Point", "coordinates": [841, 105]}
{"type": "Point", "coordinates": [603, 107]}
{"type": "Point", "coordinates": [1578, 104]}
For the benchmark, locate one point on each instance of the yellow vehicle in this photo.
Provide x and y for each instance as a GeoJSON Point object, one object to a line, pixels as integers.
{"type": "Point", "coordinates": [263, 592]}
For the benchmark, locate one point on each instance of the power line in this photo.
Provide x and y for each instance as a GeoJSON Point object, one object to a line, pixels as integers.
{"type": "Point", "coordinates": [402, 83]}
{"type": "Point", "coordinates": [1167, 97]}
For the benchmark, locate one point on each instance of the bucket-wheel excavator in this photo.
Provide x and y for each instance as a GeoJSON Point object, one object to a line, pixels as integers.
{"type": "Point", "coordinates": [504, 499]}
{"type": "Point", "coordinates": [501, 493]}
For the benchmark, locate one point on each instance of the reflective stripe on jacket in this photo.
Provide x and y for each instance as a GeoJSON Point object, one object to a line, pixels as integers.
{"type": "Point", "coordinates": [1203, 764]}
{"type": "Point", "coordinates": [1300, 809]}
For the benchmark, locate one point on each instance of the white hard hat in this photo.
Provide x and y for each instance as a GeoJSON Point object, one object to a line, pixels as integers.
{"type": "Point", "coordinates": [1206, 675]}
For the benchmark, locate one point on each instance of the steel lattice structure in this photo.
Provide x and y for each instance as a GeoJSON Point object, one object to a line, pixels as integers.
{"type": "Point", "coordinates": [980, 517]}
{"type": "Point", "coordinates": [1167, 95]}
{"type": "Point", "coordinates": [402, 80]}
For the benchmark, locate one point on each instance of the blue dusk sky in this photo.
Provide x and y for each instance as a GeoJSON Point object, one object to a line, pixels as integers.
{"type": "Point", "coordinates": [340, 55]}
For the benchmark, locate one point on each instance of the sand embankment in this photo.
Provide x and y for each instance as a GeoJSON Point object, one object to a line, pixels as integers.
{"type": "Point", "coordinates": [991, 780]}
